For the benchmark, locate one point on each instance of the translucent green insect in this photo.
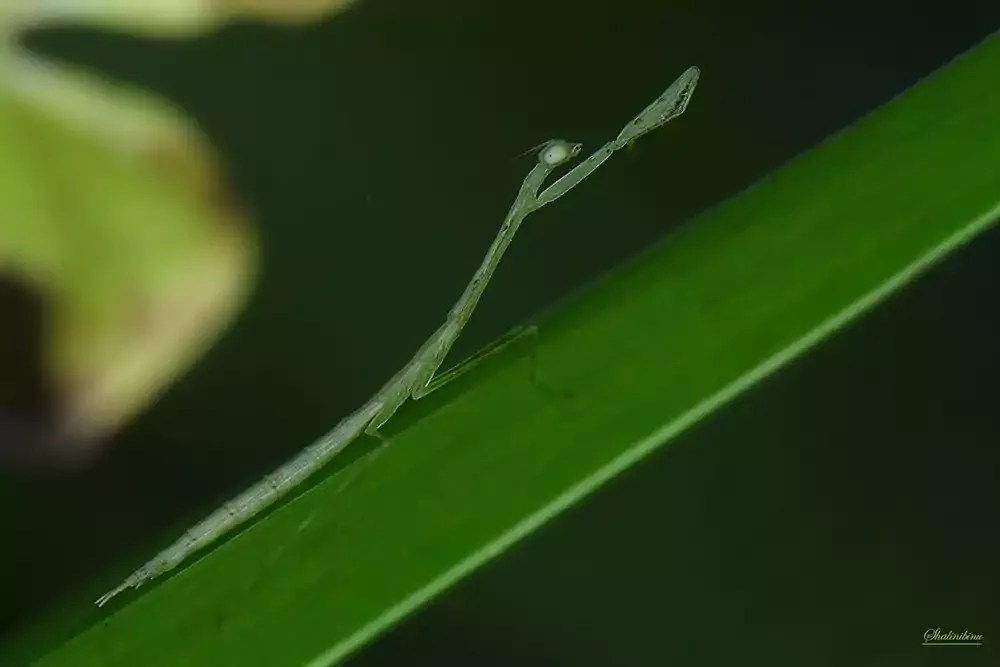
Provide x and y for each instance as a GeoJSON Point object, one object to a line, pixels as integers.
{"type": "Point", "coordinates": [417, 378]}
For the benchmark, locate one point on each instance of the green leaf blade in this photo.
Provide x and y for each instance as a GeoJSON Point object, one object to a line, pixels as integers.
{"type": "Point", "coordinates": [616, 373]}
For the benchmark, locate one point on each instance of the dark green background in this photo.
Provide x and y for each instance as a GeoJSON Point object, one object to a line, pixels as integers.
{"type": "Point", "coordinates": [838, 510]}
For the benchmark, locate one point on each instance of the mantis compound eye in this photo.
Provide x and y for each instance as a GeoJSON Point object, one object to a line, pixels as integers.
{"type": "Point", "coordinates": [558, 151]}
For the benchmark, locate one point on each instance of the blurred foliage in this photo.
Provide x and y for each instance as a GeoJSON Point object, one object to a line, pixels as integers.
{"type": "Point", "coordinates": [115, 211]}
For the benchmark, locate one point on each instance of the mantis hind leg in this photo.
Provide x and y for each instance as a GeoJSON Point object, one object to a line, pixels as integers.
{"type": "Point", "coordinates": [505, 342]}
{"type": "Point", "coordinates": [424, 387]}
{"type": "Point", "coordinates": [516, 335]}
{"type": "Point", "coordinates": [526, 334]}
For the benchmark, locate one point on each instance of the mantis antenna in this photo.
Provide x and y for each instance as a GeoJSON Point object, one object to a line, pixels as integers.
{"type": "Point", "coordinates": [416, 378]}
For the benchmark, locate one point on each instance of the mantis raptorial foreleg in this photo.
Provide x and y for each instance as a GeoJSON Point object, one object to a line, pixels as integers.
{"type": "Point", "coordinates": [660, 111]}
{"type": "Point", "coordinates": [417, 378]}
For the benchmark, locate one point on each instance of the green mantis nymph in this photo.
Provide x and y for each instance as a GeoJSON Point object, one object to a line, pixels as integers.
{"type": "Point", "coordinates": [416, 378]}
{"type": "Point", "coordinates": [110, 206]}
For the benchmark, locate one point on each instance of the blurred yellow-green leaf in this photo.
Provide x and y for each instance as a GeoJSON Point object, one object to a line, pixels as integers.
{"type": "Point", "coordinates": [162, 17]}
{"type": "Point", "coordinates": [114, 210]}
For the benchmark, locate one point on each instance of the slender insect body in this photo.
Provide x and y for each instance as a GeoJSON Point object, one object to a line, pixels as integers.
{"type": "Point", "coordinates": [418, 377]}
